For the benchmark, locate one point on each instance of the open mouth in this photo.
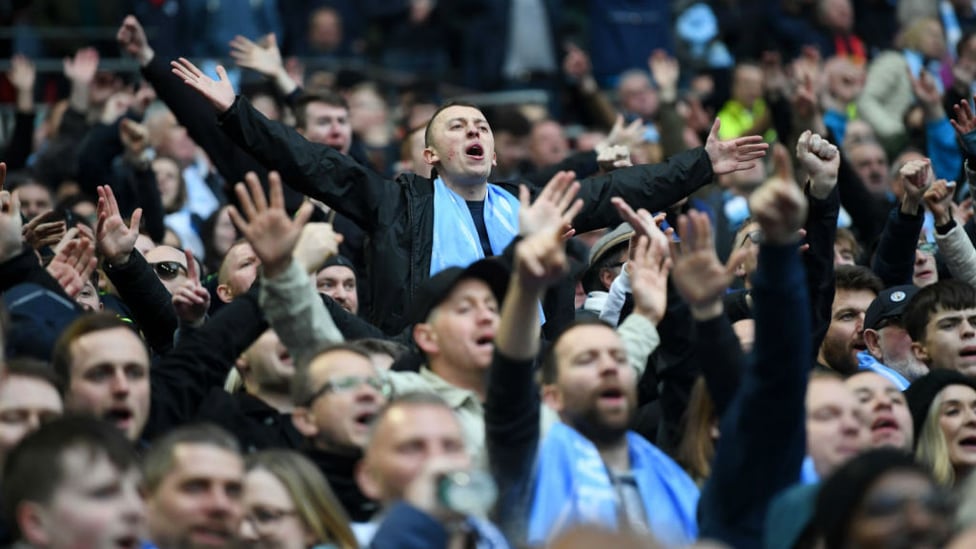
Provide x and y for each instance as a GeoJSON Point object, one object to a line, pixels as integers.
{"type": "Point", "coordinates": [120, 415]}
{"type": "Point", "coordinates": [884, 424]}
{"type": "Point", "coordinates": [210, 535]}
{"type": "Point", "coordinates": [969, 443]}
{"type": "Point", "coordinates": [127, 542]}
{"type": "Point", "coordinates": [365, 419]}
{"type": "Point", "coordinates": [475, 151]}
{"type": "Point", "coordinates": [968, 352]}
{"type": "Point", "coordinates": [614, 395]}
{"type": "Point", "coordinates": [485, 340]}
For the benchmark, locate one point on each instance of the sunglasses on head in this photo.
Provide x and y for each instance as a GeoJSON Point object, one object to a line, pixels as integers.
{"type": "Point", "coordinates": [168, 270]}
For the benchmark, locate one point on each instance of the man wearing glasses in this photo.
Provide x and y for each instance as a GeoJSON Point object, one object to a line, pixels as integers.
{"type": "Point", "coordinates": [337, 396]}
{"type": "Point", "coordinates": [169, 264]}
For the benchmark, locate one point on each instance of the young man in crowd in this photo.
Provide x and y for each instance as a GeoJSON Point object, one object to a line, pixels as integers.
{"type": "Point", "coordinates": [74, 483]}
{"type": "Point", "coordinates": [419, 226]}
{"type": "Point", "coordinates": [30, 396]}
{"type": "Point", "coordinates": [941, 320]}
{"type": "Point", "coordinates": [192, 484]}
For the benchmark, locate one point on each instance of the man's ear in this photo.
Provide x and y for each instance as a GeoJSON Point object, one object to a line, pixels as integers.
{"type": "Point", "coordinates": [367, 481]}
{"type": "Point", "coordinates": [426, 339]}
{"type": "Point", "coordinates": [32, 521]}
{"type": "Point", "coordinates": [552, 397]}
{"type": "Point", "coordinates": [430, 156]}
{"type": "Point", "coordinates": [304, 422]}
{"type": "Point", "coordinates": [606, 278]}
{"type": "Point", "coordinates": [242, 366]}
{"type": "Point", "coordinates": [921, 353]}
{"type": "Point", "coordinates": [873, 341]}
{"type": "Point", "coordinates": [224, 293]}
{"type": "Point", "coordinates": [494, 158]}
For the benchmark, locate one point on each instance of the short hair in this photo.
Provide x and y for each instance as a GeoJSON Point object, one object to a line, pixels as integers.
{"type": "Point", "coordinates": [410, 399]}
{"type": "Point", "coordinates": [86, 324]}
{"type": "Point", "coordinates": [550, 366]}
{"type": "Point", "coordinates": [444, 107]}
{"type": "Point", "coordinates": [222, 270]}
{"type": "Point", "coordinates": [301, 382]}
{"type": "Point", "coordinates": [315, 503]}
{"type": "Point", "coordinates": [857, 277]}
{"type": "Point", "coordinates": [158, 462]}
{"type": "Point", "coordinates": [35, 369]}
{"type": "Point", "coordinates": [327, 97]}
{"type": "Point", "coordinates": [22, 178]}
{"type": "Point", "coordinates": [34, 469]}
{"type": "Point", "coordinates": [375, 345]}
{"type": "Point", "coordinates": [945, 295]}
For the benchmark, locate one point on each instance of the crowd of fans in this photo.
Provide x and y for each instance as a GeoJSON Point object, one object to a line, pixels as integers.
{"type": "Point", "coordinates": [716, 287]}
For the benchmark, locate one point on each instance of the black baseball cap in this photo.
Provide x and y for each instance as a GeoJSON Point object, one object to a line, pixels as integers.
{"type": "Point", "coordinates": [891, 302]}
{"type": "Point", "coordinates": [435, 289]}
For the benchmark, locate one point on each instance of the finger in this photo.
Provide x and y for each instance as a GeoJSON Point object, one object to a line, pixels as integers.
{"type": "Point", "coordinates": [303, 214]}
{"type": "Point", "coordinates": [222, 73]}
{"type": "Point", "coordinates": [3, 174]}
{"type": "Point", "coordinates": [684, 228]}
{"type": "Point", "coordinates": [257, 193]}
{"type": "Point", "coordinates": [244, 199]}
{"type": "Point", "coordinates": [524, 198]}
{"type": "Point", "coordinates": [111, 202]}
{"type": "Point", "coordinates": [238, 221]}
{"type": "Point", "coordinates": [190, 68]}
{"type": "Point", "coordinates": [736, 258]}
{"type": "Point", "coordinates": [135, 220]}
{"type": "Point", "coordinates": [573, 211]}
{"type": "Point", "coordinates": [191, 267]}
{"type": "Point", "coordinates": [276, 193]}
{"type": "Point", "coordinates": [713, 133]}
{"type": "Point", "coordinates": [568, 196]}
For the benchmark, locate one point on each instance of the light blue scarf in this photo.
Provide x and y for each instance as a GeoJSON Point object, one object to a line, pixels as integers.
{"type": "Point", "coordinates": [573, 486]}
{"type": "Point", "coordinates": [456, 242]}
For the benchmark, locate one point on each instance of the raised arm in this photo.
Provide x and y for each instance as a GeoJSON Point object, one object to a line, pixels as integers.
{"type": "Point", "coordinates": [763, 443]}
{"type": "Point", "coordinates": [314, 169]}
{"type": "Point", "coordinates": [895, 258]}
{"type": "Point", "coordinates": [288, 297]}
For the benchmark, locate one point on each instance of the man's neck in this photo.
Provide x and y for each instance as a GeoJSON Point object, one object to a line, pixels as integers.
{"type": "Point", "coordinates": [463, 378]}
{"type": "Point", "coordinates": [468, 190]}
{"type": "Point", "coordinates": [616, 455]}
{"type": "Point", "coordinates": [279, 401]}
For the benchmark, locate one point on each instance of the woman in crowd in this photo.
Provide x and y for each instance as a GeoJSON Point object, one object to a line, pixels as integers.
{"type": "Point", "coordinates": [943, 406]}
{"type": "Point", "coordinates": [289, 505]}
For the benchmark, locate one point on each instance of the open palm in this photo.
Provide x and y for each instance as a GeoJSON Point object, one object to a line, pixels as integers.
{"type": "Point", "coordinates": [219, 92]}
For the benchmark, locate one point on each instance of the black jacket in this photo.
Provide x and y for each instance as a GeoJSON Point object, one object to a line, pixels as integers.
{"type": "Point", "coordinates": [398, 216]}
{"type": "Point", "coordinates": [256, 424]}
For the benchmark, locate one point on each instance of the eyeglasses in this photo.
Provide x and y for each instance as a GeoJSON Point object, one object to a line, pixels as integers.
{"type": "Point", "coordinates": [928, 248]}
{"type": "Point", "coordinates": [260, 518]}
{"type": "Point", "coordinates": [168, 270]}
{"type": "Point", "coordinates": [351, 383]}
{"type": "Point", "coordinates": [887, 505]}
{"type": "Point", "coordinates": [755, 237]}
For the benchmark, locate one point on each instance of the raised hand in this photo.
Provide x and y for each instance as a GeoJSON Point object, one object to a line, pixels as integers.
{"type": "Point", "coordinates": [916, 177]}
{"type": "Point", "coordinates": [42, 230]}
{"type": "Point", "coordinates": [132, 40]}
{"type": "Point", "coordinates": [964, 123]}
{"type": "Point", "coordinates": [317, 243]}
{"type": "Point", "coordinates": [927, 94]}
{"type": "Point", "coordinates": [263, 58]}
{"type": "Point", "coordinates": [135, 139]}
{"type": "Point", "coordinates": [735, 154]}
{"type": "Point", "coordinates": [540, 260]}
{"type": "Point", "coordinates": [576, 64]}
{"type": "Point", "coordinates": [665, 71]}
{"type": "Point", "coordinates": [81, 68]}
{"type": "Point", "coordinates": [629, 135]}
{"type": "Point", "coordinates": [938, 199]}
{"type": "Point", "coordinates": [11, 242]}
{"type": "Point", "coordinates": [649, 263]}
{"type": "Point", "coordinates": [220, 92]}
{"type": "Point", "coordinates": [22, 76]}
{"type": "Point", "coordinates": [554, 207]}
{"type": "Point", "coordinates": [191, 300]}
{"type": "Point", "coordinates": [699, 276]}
{"type": "Point", "coordinates": [778, 205]}
{"type": "Point", "coordinates": [272, 234]}
{"type": "Point", "coordinates": [612, 157]}
{"type": "Point", "coordinates": [114, 240]}
{"type": "Point", "coordinates": [821, 160]}
{"type": "Point", "coordinates": [73, 264]}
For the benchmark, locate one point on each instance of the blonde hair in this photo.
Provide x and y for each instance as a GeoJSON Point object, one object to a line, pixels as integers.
{"type": "Point", "coordinates": [316, 503]}
{"type": "Point", "coordinates": [932, 449]}
{"type": "Point", "coordinates": [912, 34]}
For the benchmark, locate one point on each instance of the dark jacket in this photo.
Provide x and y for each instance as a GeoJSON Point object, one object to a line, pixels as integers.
{"type": "Point", "coordinates": [254, 422]}
{"type": "Point", "coordinates": [148, 300]}
{"type": "Point", "coordinates": [763, 439]}
{"type": "Point", "coordinates": [398, 215]}
{"type": "Point", "coordinates": [340, 471]}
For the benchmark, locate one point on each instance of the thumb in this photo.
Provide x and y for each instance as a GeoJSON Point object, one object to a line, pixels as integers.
{"type": "Point", "coordinates": [782, 165]}
{"type": "Point", "coordinates": [222, 74]}
{"type": "Point", "coordinates": [713, 133]}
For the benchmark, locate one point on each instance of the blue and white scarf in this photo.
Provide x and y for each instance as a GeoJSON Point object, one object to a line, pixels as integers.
{"type": "Point", "coordinates": [456, 242]}
{"type": "Point", "coordinates": [573, 486]}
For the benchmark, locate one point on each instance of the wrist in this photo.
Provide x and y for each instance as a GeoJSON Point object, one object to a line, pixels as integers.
{"type": "Point", "coordinates": [821, 185]}
{"type": "Point", "coordinates": [118, 260]}
{"type": "Point", "coordinates": [707, 311]}
{"type": "Point", "coordinates": [274, 270]}
{"type": "Point", "coordinates": [944, 219]}
{"type": "Point", "coordinates": [588, 85]}
{"type": "Point", "coordinates": [668, 94]}
{"type": "Point", "coordinates": [650, 314]}
{"type": "Point", "coordinates": [910, 205]}
{"type": "Point", "coordinates": [146, 56]}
